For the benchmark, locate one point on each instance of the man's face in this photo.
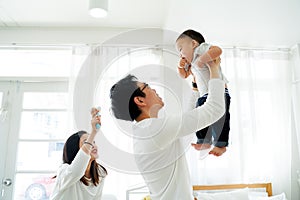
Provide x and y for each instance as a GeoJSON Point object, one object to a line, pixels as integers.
{"type": "Point", "coordinates": [152, 99]}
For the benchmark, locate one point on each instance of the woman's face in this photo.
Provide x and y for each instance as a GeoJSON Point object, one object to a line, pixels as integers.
{"type": "Point", "coordinates": [94, 152]}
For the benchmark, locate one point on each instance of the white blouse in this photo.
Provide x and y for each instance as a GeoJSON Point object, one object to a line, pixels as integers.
{"type": "Point", "coordinates": [68, 184]}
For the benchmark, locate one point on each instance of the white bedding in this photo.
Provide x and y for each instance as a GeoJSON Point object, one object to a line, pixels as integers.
{"type": "Point", "coordinates": [276, 197]}
{"type": "Point", "coordinates": [240, 194]}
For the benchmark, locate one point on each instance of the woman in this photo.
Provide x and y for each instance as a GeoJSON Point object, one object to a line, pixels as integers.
{"type": "Point", "coordinates": [80, 176]}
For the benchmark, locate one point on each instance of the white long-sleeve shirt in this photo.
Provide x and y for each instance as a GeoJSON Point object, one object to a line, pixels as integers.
{"type": "Point", "coordinates": [159, 146]}
{"type": "Point", "coordinates": [68, 184]}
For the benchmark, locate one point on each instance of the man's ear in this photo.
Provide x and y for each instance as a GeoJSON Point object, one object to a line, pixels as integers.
{"type": "Point", "coordinates": [138, 101]}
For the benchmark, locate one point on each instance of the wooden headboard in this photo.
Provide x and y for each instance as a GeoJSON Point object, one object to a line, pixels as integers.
{"type": "Point", "coordinates": [267, 186]}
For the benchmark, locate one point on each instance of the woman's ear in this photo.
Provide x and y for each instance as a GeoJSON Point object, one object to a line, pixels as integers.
{"type": "Point", "coordinates": [138, 101]}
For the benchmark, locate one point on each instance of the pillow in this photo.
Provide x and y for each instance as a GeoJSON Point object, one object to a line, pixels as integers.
{"type": "Point", "coordinates": [147, 198]}
{"type": "Point", "coordinates": [241, 194]}
{"type": "Point", "coordinates": [276, 197]}
{"type": "Point", "coordinates": [253, 195]}
{"type": "Point", "coordinates": [108, 197]}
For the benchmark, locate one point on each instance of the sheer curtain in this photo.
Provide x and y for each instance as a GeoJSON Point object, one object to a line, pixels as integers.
{"type": "Point", "coordinates": [296, 92]}
{"type": "Point", "coordinates": [295, 60]}
{"type": "Point", "coordinates": [260, 136]}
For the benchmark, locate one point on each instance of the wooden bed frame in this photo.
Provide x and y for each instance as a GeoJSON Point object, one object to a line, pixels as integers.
{"type": "Point", "coordinates": [267, 186]}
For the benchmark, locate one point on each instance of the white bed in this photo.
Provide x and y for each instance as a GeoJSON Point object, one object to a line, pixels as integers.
{"type": "Point", "coordinates": [256, 191]}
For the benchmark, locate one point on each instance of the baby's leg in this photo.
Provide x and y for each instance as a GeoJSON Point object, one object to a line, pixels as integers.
{"type": "Point", "coordinates": [221, 131]}
{"type": "Point", "coordinates": [201, 146]}
{"type": "Point", "coordinates": [204, 136]}
{"type": "Point", "coordinates": [224, 128]}
{"type": "Point", "coordinates": [203, 139]}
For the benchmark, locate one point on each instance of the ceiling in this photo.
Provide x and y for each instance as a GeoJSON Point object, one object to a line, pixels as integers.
{"type": "Point", "coordinates": [74, 13]}
{"type": "Point", "coordinates": [231, 22]}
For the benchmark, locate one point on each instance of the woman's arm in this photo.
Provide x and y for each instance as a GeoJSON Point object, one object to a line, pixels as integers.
{"type": "Point", "coordinates": [70, 174]}
{"type": "Point", "coordinates": [87, 146]}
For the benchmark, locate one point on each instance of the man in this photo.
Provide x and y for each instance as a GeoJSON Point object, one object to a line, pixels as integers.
{"type": "Point", "coordinates": [158, 148]}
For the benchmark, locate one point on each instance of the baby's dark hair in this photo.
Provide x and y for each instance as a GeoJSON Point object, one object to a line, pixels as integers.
{"type": "Point", "coordinates": [192, 34]}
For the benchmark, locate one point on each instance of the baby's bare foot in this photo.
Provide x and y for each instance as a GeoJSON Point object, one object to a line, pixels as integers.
{"type": "Point", "coordinates": [199, 147]}
{"type": "Point", "coordinates": [218, 151]}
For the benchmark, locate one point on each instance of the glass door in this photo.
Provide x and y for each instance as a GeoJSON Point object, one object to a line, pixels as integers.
{"type": "Point", "coordinates": [34, 124]}
{"type": "Point", "coordinates": [6, 88]}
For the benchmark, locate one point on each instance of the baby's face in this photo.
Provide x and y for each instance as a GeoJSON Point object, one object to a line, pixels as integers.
{"type": "Point", "coordinates": [185, 46]}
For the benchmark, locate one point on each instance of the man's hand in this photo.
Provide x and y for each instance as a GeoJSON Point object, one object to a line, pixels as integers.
{"type": "Point", "coordinates": [214, 67]}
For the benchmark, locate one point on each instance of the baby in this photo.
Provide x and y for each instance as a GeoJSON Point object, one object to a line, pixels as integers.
{"type": "Point", "coordinates": [194, 56]}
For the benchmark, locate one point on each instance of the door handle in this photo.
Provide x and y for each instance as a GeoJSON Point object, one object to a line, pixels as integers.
{"type": "Point", "coordinates": [7, 182]}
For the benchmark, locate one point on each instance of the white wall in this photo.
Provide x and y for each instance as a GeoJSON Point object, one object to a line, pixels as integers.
{"type": "Point", "coordinates": [255, 23]}
{"type": "Point", "coordinates": [57, 35]}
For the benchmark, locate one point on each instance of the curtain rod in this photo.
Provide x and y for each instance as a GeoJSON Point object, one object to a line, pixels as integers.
{"type": "Point", "coordinates": [296, 81]}
{"type": "Point", "coordinates": [33, 79]}
{"type": "Point", "coordinates": [258, 48]}
{"type": "Point", "coordinates": [60, 46]}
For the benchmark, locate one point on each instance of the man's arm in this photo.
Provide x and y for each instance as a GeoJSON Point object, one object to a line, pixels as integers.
{"type": "Point", "coordinates": [180, 125]}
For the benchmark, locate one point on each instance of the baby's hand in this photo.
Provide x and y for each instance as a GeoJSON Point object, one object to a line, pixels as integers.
{"type": "Point", "coordinates": [183, 63]}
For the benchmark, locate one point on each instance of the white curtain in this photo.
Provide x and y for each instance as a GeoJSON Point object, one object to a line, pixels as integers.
{"type": "Point", "coordinates": [295, 59]}
{"type": "Point", "coordinates": [260, 136]}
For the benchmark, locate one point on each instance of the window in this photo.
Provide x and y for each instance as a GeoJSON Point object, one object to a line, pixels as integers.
{"type": "Point", "coordinates": [35, 62]}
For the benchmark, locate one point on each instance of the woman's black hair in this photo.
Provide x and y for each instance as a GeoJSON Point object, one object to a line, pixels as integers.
{"type": "Point", "coordinates": [71, 149]}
